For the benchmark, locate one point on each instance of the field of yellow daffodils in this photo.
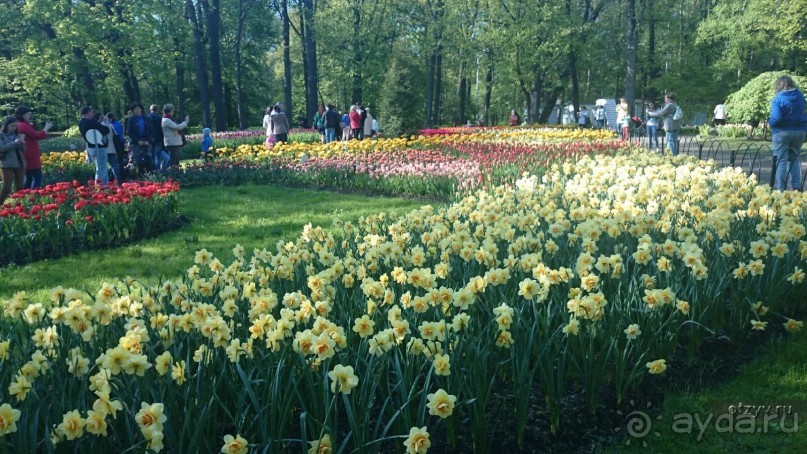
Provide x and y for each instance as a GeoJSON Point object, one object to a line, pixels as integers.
{"type": "Point", "coordinates": [412, 333]}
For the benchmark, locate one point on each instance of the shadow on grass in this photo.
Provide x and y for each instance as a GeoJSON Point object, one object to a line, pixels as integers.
{"type": "Point", "coordinates": [709, 420]}
{"type": "Point", "coordinates": [220, 218]}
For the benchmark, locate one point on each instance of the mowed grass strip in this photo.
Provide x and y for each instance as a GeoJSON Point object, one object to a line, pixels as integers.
{"type": "Point", "coordinates": [221, 217]}
{"type": "Point", "coordinates": [777, 377]}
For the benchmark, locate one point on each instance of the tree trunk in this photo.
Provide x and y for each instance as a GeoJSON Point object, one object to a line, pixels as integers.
{"type": "Point", "coordinates": [130, 86]}
{"type": "Point", "coordinates": [572, 67]}
{"type": "Point", "coordinates": [549, 105]}
{"type": "Point", "coordinates": [438, 87]}
{"type": "Point", "coordinates": [488, 90]}
{"type": "Point", "coordinates": [630, 77]}
{"type": "Point", "coordinates": [201, 63]}
{"type": "Point", "coordinates": [652, 70]}
{"type": "Point", "coordinates": [239, 66]}
{"type": "Point", "coordinates": [84, 80]}
{"type": "Point", "coordinates": [287, 81]}
{"type": "Point", "coordinates": [461, 88]}
{"type": "Point", "coordinates": [358, 52]}
{"type": "Point", "coordinates": [213, 16]}
{"type": "Point", "coordinates": [534, 99]}
{"type": "Point", "coordinates": [427, 123]}
{"type": "Point", "coordinates": [179, 64]}
{"type": "Point", "coordinates": [311, 56]}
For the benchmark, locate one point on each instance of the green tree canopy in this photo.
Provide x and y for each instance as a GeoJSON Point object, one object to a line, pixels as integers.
{"type": "Point", "coordinates": [753, 101]}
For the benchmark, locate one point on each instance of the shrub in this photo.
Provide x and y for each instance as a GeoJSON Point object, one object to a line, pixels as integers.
{"type": "Point", "coordinates": [752, 103]}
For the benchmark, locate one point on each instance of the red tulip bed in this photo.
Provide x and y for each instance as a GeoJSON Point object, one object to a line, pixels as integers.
{"type": "Point", "coordinates": [67, 217]}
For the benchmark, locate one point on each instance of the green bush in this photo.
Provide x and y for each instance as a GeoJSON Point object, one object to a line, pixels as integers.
{"type": "Point", "coordinates": [752, 103]}
{"type": "Point", "coordinates": [61, 144]}
{"type": "Point", "coordinates": [71, 132]}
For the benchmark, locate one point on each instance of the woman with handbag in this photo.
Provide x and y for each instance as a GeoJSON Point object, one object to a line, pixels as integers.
{"type": "Point", "coordinates": [172, 139]}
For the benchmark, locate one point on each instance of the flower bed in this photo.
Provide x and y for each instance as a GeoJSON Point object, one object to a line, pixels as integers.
{"type": "Point", "coordinates": [400, 330]}
{"type": "Point", "coordinates": [67, 217]}
{"type": "Point", "coordinates": [440, 172]}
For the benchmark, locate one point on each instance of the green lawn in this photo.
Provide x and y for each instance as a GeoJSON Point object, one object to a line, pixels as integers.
{"type": "Point", "coordinates": [253, 216]}
{"type": "Point", "coordinates": [777, 377]}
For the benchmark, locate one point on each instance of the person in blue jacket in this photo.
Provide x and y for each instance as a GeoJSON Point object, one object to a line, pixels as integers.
{"type": "Point", "coordinates": [207, 145]}
{"type": "Point", "coordinates": [788, 123]}
{"type": "Point", "coordinates": [139, 132]}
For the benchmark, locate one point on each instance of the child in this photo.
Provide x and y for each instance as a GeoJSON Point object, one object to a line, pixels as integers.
{"type": "Point", "coordinates": [207, 145]}
{"type": "Point", "coordinates": [625, 123]}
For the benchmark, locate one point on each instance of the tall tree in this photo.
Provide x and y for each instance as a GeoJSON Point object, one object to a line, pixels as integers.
{"type": "Point", "coordinates": [286, 43]}
{"type": "Point", "coordinates": [632, 39]}
{"type": "Point", "coordinates": [309, 42]}
{"type": "Point", "coordinates": [194, 14]}
{"type": "Point", "coordinates": [239, 63]}
{"type": "Point", "coordinates": [213, 19]}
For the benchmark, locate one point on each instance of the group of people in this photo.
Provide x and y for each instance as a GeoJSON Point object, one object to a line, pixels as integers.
{"type": "Point", "coordinates": [332, 125]}
{"type": "Point", "coordinates": [19, 152]}
{"type": "Point", "coordinates": [148, 142]}
{"type": "Point", "coordinates": [154, 140]}
{"type": "Point", "coordinates": [788, 123]}
{"type": "Point", "coordinates": [356, 124]}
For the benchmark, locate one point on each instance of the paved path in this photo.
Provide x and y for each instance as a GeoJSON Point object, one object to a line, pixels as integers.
{"type": "Point", "coordinates": [753, 157]}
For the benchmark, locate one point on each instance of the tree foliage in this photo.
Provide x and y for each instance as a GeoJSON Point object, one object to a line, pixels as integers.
{"type": "Point", "coordinates": [468, 59]}
{"type": "Point", "coordinates": [401, 99]}
{"type": "Point", "coordinates": [752, 103]}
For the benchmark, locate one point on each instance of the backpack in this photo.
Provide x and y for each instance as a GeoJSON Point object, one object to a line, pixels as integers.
{"type": "Point", "coordinates": [679, 113]}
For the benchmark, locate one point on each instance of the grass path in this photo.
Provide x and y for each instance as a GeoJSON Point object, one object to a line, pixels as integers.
{"type": "Point", "coordinates": [253, 216]}
{"type": "Point", "coordinates": [776, 377]}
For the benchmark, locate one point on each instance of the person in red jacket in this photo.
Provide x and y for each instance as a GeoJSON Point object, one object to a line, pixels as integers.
{"type": "Point", "coordinates": [355, 122]}
{"type": "Point", "coordinates": [33, 168]}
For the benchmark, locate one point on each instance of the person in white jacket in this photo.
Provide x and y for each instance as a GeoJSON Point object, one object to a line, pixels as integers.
{"type": "Point", "coordinates": [171, 137]}
{"type": "Point", "coordinates": [368, 124]}
{"type": "Point", "coordinates": [267, 125]}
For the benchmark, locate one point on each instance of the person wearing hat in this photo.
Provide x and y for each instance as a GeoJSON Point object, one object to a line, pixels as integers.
{"type": "Point", "coordinates": [207, 145]}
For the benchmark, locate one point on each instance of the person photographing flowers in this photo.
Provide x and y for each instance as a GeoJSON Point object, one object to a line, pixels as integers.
{"type": "Point", "coordinates": [171, 136]}
{"type": "Point", "coordinates": [33, 170]}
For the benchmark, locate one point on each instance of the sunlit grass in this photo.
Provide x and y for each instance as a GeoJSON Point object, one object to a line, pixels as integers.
{"type": "Point", "coordinates": [777, 377]}
{"type": "Point", "coordinates": [253, 216]}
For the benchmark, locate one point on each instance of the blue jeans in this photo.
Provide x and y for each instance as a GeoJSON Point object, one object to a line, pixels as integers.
{"type": "Point", "coordinates": [652, 136]}
{"type": "Point", "coordinates": [672, 142]}
{"type": "Point", "coordinates": [112, 158]}
{"type": "Point", "coordinates": [33, 179]}
{"type": "Point", "coordinates": [600, 123]}
{"type": "Point", "coordinates": [786, 149]}
{"type": "Point", "coordinates": [330, 135]}
{"type": "Point", "coordinates": [159, 157]}
{"type": "Point", "coordinates": [99, 158]}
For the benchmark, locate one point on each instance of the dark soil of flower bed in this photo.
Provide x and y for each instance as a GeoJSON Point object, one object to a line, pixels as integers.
{"type": "Point", "coordinates": [583, 432]}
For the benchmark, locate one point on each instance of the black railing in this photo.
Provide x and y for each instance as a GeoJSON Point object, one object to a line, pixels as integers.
{"type": "Point", "coordinates": [753, 158]}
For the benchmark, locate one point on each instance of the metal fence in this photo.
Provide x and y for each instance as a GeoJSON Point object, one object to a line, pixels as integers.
{"type": "Point", "coordinates": [753, 158]}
